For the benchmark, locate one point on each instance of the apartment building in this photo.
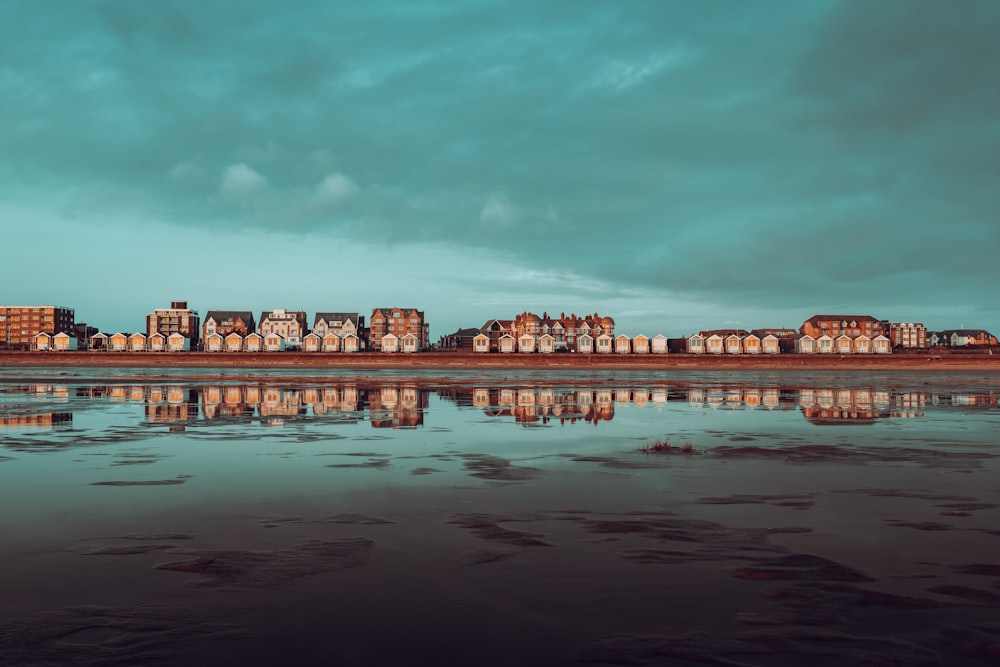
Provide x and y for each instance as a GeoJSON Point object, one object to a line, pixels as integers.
{"type": "Point", "coordinates": [20, 324]}
{"type": "Point", "coordinates": [399, 322]}
{"type": "Point", "coordinates": [907, 334]}
{"type": "Point", "coordinates": [178, 318]}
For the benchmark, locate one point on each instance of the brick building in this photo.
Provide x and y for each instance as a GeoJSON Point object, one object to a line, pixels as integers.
{"type": "Point", "coordinates": [291, 325]}
{"type": "Point", "coordinates": [178, 318]}
{"type": "Point", "coordinates": [399, 322]}
{"type": "Point", "coordinates": [851, 326]}
{"type": "Point", "coordinates": [225, 322]}
{"type": "Point", "coordinates": [911, 335]}
{"type": "Point", "coordinates": [20, 324]}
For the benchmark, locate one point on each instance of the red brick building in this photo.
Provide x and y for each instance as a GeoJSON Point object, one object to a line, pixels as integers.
{"type": "Point", "coordinates": [851, 326]}
{"type": "Point", "coordinates": [20, 324]}
{"type": "Point", "coordinates": [399, 322]}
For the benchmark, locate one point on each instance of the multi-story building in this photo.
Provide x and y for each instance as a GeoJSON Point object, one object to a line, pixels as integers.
{"type": "Point", "coordinates": [225, 322]}
{"type": "Point", "coordinates": [907, 334]}
{"type": "Point", "coordinates": [289, 324]}
{"type": "Point", "coordinates": [178, 318]}
{"type": "Point", "coordinates": [341, 324]}
{"type": "Point", "coordinates": [564, 330]}
{"type": "Point", "coordinates": [20, 324]}
{"type": "Point", "coordinates": [399, 322]}
{"type": "Point", "coordinates": [851, 326]}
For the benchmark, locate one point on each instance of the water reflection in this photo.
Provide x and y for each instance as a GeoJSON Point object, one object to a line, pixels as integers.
{"type": "Point", "coordinates": [391, 404]}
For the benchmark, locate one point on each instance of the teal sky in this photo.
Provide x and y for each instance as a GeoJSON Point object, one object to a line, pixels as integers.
{"type": "Point", "coordinates": [678, 165]}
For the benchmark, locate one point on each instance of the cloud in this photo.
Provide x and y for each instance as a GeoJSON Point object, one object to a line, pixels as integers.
{"type": "Point", "coordinates": [499, 211]}
{"type": "Point", "coordinates": [624, 74]}
{"type": "Point", "coordinates": [239, 180]}
{"type": "Point", "coordinates": [335, 190]}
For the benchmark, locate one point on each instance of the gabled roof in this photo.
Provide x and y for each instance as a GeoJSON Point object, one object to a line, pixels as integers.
{"type": "Point", "coordinates": [841, 318]}
{"type": "Point", "coordinates": [336, 317]}
{"type": "Point", "coordinates": [724, 332]}
{"type": "Point", "coordinates": [221, 315]}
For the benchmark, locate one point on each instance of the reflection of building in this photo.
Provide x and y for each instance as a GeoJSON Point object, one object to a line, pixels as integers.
{"type": "Point", "coordinates": [37, 419]}
{"type": "Point", "coordinates": [395, 406]}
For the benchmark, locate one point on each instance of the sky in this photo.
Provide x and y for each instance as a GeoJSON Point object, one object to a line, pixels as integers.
{"type": "Point", "coordinates": [676, 165]}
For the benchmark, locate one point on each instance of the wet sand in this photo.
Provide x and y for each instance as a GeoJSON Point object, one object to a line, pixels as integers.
{"type": "Point", "coordinates": [761, 546]}
{"type": "Point", "coordinates": [447, 360]}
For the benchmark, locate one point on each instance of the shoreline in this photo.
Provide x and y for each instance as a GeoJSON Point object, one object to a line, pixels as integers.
{"type": "Point", "coordinates": [934, 361]}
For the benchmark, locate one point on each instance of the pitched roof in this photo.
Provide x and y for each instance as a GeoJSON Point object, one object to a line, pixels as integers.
{"type": "Point", "coordinates": [220, 315]}
{"type": "Point", "coordinates": [336, 317]}
{"type": "Point", "coordinates": [841, 318]}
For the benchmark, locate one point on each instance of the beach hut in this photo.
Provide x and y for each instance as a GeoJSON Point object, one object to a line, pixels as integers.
{"type": "Point", "coordinates": [640, 344]}
{"type": "Point", "coordinates": [881, 345]}
{"type": "Point", "coordinates": [862, 345]}
{"type": "Point", "coordinates": [585, 344]}
{"type": "Point", "coordinates": [41, 342]}
{"type": "Point", "coordinates": [604, 344]}
{"type": "Point", "coordinates": [331, 342]}
{"type": "Point", "coordinates": [714, 344]}
{"type": "Point", "coordinates": [350, 343]}
{"type": "Point", "coordinates": [546, 344]}
{"type": "Point", "coordinates": [696, 344]}
{"type": "Point", "coordinates": [506, 344]}
{"type": "Point", "coordinates": [526, 344]}
{"type": "Point", "coordinates": [844, 345]}
{"type": "Point", "coordinates": [178, 342]}
{"type": "Point", "coordinates": [623, 344]}
{"type": "Point", "coordinates": [311, 342]}
{"type": "Point", "coordinates": [274, 342]}
{"type": "Point", "coordinates": [824, 344]}
{"type": "Point", "coordinates": [156, 342]}
{"type": "Point", "coordinates": [254, 342]}
{"type": "Point", "coordinates": [751, 344]}
{"type": "Point", "coordinates": [481, 343]}
{"type": "Point", "coordinates": [805, 344]}
{"type": "Point", "coordinates": [214, 342]}
{"type": "Point", "coordinates": [769, 344]}
{"type": "Point", "coordinates": [390, 343]}
{"type": "Point", "coordinates": [118, 342]}
{"type": "Point", "coordinates": [733, 344]}
{"type": "Point", "coordinates": [409, 343]}
{"type": "Point", "coordinates": [62, 342]}
{"type": "Point", "coordinates": [137, 342]}
{"type": "Point", "coordinates": [234, 342]}
{"type": "Point", "coordinates": [99, 341]}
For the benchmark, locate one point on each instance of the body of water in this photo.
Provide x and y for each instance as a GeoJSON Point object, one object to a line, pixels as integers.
{"type": "Point", "coordinates": [239, 517]}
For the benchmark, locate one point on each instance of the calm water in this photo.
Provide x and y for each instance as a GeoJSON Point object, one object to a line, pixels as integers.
{"type": "Point", "coordinates": [246, 517]}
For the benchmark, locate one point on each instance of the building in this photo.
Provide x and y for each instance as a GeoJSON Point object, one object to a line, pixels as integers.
{"type": "Point", "coordinates": [176, 319]}
{"type": "Point", "coordinates": [20, 324]}
{"type": "Point", "coordinates": [289, 324]}
{"type": "Point", "coordinates": [462, 339]}
{"type": "Point", "coordinates": [565, 330]}
{"type": "Point", "coordinates": [225, 322]}
{"type": "Point", "coordinates": [963, 337]}
{"type": "Point", "coordinates": [835, 326]}
{"type": "Point", "coordinates": [398, 322]}
{"type": "Point", "coordinates": [910, 335]}
{"type": "Point", "coordinates": [341, 325]}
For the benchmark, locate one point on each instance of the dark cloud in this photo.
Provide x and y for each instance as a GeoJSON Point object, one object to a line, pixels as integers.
{"type": "Point", "coordinates": [819, 149]}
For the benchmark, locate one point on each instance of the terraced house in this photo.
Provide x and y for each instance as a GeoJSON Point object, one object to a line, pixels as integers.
{"type": "Point", "coordinates": [289, 325]}
{"type": "Point", "coordinates": [225, 322]}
